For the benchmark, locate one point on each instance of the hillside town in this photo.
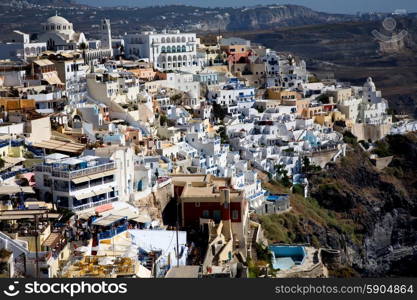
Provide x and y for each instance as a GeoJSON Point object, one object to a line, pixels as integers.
{"type": "Point", "coordinates": [151, 154]}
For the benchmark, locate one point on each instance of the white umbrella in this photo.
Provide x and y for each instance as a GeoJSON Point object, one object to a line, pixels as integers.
{"type": "Point", "coordinates": [82, 249]}
{"type": "Point", "coordinates": [105, 261]}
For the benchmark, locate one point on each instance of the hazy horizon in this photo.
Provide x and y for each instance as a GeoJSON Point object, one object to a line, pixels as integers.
{"type": "Point", "coordinates": [330, 6]}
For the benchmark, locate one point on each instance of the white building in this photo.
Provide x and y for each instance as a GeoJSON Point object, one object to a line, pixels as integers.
{"type": "Point", "coordinates": [72, 71]}
{"type": "Point", "coordinates": [77, 183]}
{"type": "Point", "coordinates": [167, 50]}
{"type": "Point", "coordinates": [367, 106]}
{"type": "Point", "coordinates": [233, 92]}
{"type": "Point", "coordinates": [59, 34]}
{"type": "Point", "coordinates": [184, 82]}
{"type": "Point", "coordinates": [21, 47]}
{"type": "Point", "coordinates": [284, 72]}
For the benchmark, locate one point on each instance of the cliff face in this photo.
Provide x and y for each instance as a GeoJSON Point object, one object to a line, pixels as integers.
{"type": "Point", "coordinates": [370, 216]}
{"type": "Point", "coordinates": [381, 204]}
{"type": "Point", "coordinates": [279, 16]}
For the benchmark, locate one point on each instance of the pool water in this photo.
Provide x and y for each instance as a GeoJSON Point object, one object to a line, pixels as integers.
{"type": "Point", "coordinates": [285, 257]}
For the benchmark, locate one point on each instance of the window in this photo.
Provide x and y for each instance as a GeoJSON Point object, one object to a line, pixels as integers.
{"type": "Point", "coordinates": [206, 214]}
{"type": "Point", "coordinates": [197, 204]}
{"type": "Point", "coordinates": [235, 214]}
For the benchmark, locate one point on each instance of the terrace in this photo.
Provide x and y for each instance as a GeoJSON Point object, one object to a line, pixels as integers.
{"type": "Point", "coordinates": [76, 167]}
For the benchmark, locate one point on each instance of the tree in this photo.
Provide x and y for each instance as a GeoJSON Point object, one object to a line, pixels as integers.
{"type": "Point", "coordinates": [163, 120]}
{"type": "Point", "coordinates": [306, 164]}
{"type": "Point", "coordinates": [223, 135]}
{"type": "Point", "coordinates": [282, 174]}
{"type": "Point", "coordinates": [218, 111]}
{"type": "Point", "coordinates": [260, 109]}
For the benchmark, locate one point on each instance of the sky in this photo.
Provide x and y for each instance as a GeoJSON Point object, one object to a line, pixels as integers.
{"type": "Point", "coordinates": [332, 6]}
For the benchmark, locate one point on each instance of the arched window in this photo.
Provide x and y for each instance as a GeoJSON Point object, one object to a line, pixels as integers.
{"type": "Point", "coordinates": [184, 49]}
{"type": "Point", "coordinates": [174, 49]}
{"type": "Point", "coordinates": [183, 39]}
{"type": "Point", "coordinates": [169, 49]}
{"type": "Point", "coordinates": [163, 40]}
{"type": "Point", "coordinates": [163, 50]}
{"type": "Point", "coordinates": [174, 58]}
{"type": "Point", "coordinates": [178, 48]}
{"type": "Point", "coordinates": [178, 39]}
{"type": "Point", "coordinates": [168, 40]}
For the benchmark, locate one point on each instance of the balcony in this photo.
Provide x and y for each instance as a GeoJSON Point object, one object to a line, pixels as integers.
{"type": "Point", "coordinates": [94, 204]}
{"type": "Point", "coordinates": [76, 173]}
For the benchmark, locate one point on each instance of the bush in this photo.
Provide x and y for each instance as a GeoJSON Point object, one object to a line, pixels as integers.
{"type": "Point", "coordinates": [298, 189]}
{"type": "Point", "coordinates": [382, 149]}
{"type": "Point", "coordinates": [349, 138]}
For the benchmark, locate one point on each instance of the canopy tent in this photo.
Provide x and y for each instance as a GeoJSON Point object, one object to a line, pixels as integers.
{"type": "Point", "coordinates": [54, 157]}
{"type": "Point", "coordinates": [72, 161]}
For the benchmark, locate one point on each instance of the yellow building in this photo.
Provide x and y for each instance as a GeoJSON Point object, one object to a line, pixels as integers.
{"type": "Point", "coordinates": [328, 119]}
{"type": "Point", "coordinates": [276, 93]}
{"type": "Point", "coordinates": [16, 104]}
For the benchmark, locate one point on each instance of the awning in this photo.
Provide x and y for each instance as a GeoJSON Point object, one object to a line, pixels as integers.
{"type": "Point", "coordinates": [84, 196]}
{"type": "Point", "coordinates": [107, 220]}
{"type": "Point", "coordinates": [43, 62]}
{"type": "Point", "coordinates": [126, 212]}
{"type": "Point", "coordinates": [80, 179]}
{"type": "Point", "coordinates": [52, 79]}
{"type": "Point", "coordinates": [104, 207]}
{"type": "Point", "coordinates": [69, 147]}
{"type": "Point", "coordinates": [96, 176]}
{"type": "Point", "coordinates": [107, 173]}
{"type": "Point", "coordinates": [142, 219]}
{"type": "Point", "coordinates": [103, 191]}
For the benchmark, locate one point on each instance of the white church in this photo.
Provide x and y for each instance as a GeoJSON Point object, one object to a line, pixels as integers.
{"type": "Point", "coordinates": [59, 35]}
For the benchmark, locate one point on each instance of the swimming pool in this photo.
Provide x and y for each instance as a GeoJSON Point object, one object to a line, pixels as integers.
{"type": "Point", "coordinates": [285, 257]}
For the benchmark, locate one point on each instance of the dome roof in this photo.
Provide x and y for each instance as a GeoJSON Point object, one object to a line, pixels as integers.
{"type": "Point", "coordinates": [370, 84]}
{"type": "Point", "coordinates": [58, 20]}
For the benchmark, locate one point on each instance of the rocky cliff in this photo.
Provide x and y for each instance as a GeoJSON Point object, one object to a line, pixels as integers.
{"type": "Point", "coordinates": [369, 215]}
{"type": "Point", "coordinates": [279, 16]}
{"type": "Point", "coordinates": [381, 204]}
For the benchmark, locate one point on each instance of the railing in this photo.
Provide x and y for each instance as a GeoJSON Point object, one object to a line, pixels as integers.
{"type": "Point", "coordinates": [112, 232]}
{"type": "Point", "coordinates": [256, 196]}
{"type": "Point", "coordinates": [76, 173]}
{"type": "Point", "coordinates": [163, 181]}
{"type": "Point", "coordinates": [94, 204]}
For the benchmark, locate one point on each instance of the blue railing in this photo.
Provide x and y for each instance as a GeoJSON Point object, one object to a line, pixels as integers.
{"type": "Point", "coordinates": [112, 232]}
{"type": "Point", "coordinates": [7, 175]}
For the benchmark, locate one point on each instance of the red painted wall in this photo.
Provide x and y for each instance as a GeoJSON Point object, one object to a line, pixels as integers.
{"type": "Point", "coordinates": [193, 213]}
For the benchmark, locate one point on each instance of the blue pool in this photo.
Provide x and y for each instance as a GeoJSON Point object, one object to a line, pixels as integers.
{"type": "Point", "coordinates": [285, 257]}
{"type": "Point", "coordinates": [277, 197]}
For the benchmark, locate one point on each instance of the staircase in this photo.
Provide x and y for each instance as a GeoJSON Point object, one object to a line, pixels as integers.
{"type": "Point", "coordinates": [12, 245]}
